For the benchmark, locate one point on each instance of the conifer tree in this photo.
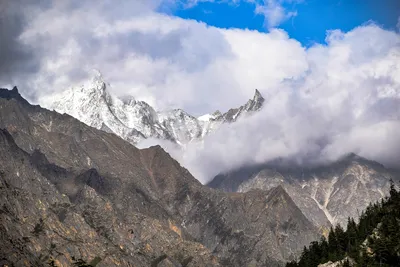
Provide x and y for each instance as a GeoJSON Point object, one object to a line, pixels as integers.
{"type": "Point", "coordinates": [373, 241]}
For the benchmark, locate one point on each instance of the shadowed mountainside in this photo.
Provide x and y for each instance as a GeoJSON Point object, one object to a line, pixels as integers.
{"type": "Point", "coordinates": [83, 193]}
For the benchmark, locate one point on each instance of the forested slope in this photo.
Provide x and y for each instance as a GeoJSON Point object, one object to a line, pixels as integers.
{"type": "Point", "coordinates": [373, 241]}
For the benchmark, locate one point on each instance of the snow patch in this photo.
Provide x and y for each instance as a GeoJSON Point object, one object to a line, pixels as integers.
{"type": "Point", "coordinates": [206, 117]}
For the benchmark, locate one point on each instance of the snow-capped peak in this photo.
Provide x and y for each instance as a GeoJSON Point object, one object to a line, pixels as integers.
{"type": "Point", "coordinates": [96, 83]}
{"type": "Point", "coordinates": [256, 103]}
{"type": "Point", "coordinates": [205, 117]}
{"type": "Point", "coordinates": [136, 120]}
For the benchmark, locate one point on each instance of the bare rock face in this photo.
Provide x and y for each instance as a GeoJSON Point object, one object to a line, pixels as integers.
{"type": "Point", "coordinates": [327, 195]}
{"type": "Point", "coordinates": [70, 192]}
{"type": "Point", "coordinates": [40, 224]}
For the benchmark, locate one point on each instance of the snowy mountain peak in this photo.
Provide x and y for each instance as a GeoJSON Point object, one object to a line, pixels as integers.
{"type": "Point", "coordinates": [256, 103]}
{"type": "Point", "coordinates": [136, 120]}
{"type": "Point", "coordinates": [97, 75]}
{"type": "Point", "coordinates": [206, 117]}
{"type": "Point", "coordinates": [251, 106]}
{"type": "Point", "coordinates": [97, 83]}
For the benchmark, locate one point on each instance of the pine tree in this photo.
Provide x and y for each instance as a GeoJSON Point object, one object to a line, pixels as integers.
{"type": "Point", "coordinates": [379, 226]}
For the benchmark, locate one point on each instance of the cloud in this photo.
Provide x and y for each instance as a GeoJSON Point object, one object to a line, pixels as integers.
{"type": "Point", "coordinates": [274, 12]}
{"type": "Point", "coordinates": [345, 98]}
{"type": "Point", "coordinates": [321, 102]}
{"type": "Point", "coordinates": [167, 61]}
{"type": "Point", "coordinates": [14, 55]}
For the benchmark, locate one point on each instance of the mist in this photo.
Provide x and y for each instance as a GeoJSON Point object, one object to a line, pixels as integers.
{"type": "Point", "coordinates": [347, 101]}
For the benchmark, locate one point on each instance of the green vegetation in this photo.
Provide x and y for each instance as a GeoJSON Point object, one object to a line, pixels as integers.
{"type": "Point", "coordinates": [373, 241]}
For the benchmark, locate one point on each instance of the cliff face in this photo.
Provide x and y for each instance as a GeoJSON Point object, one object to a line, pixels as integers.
{"type": "Point", "coordinates": [70, 191]}
{"type": "Point", "coordinates": [327, 195]}
{"type": "Point", "coordinates": [50, 214]}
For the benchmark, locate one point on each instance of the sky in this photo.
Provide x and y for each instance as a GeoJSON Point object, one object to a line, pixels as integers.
{"type": "Point", "coordinates": [329, 70]}
{"type": "Point", "coordinates": [305, 21]}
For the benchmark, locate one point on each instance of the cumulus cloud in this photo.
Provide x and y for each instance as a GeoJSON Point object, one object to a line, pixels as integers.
{"type": "Point", "coordinates": [321, 102]}
{"type": "Point", "coordinates": [344, 98]}
{"type": "Point", "coordinates": [347, 99]}
{"type": "Point", "coordinates": [167, 61]}
{"type": "Point", "coordinates": [273, 11]}
{"type": "Point", "coordinates": [15, 56]}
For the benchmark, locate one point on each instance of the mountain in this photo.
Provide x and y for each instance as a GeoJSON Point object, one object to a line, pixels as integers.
{"type": "Point", "coordinates": [327, 195]}
{"type": "Point", "coordinates": [73, 193]}
{"type": "Point", "coordinates": [135, 120]}
{"type": "Point", "coordinates": [373, 241]}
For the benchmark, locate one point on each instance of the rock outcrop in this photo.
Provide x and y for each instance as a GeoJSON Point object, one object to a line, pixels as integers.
{"type": "Point", "coordinates": [71, 192]}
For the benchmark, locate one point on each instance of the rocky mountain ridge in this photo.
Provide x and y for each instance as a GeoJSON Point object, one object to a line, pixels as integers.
{"type": "Point", "coordinates": [71, 192]}
{"type": "Point", "coordinates": [327, 195]}
{"type": "Point", "coordinates": [135, 120]}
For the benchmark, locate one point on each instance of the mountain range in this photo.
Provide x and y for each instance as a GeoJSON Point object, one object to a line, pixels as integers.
{"type": "Point", "coordinates": [71, 193]}
{"type": "Point", "coordinates": [327, 195]}
{"type": "Point", "coordinates": [78, 190]}
{"type": "Point", "coordinates": [135, 120]}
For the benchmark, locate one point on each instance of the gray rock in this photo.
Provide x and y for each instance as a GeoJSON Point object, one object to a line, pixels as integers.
{"type": "Point", "coordinates": [92, 194]}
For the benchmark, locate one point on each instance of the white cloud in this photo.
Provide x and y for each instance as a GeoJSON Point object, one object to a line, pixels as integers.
{"type": "Point", "coordinates": [345, 98]}
{"type": "Point", "coordinates": [322, 102]}
{"type": "Point", "coordinates": [273, 11]}
{"type": "Point", "coordinates": [172, 61]}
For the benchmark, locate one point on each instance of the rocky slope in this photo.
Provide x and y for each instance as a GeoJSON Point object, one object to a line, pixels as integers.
{"type": "Point", "coordinates": [70, 192]}
{"type": "Point", "coordinates": [327, 195]}
{"type": "Point", "coordinates": [41, 225]}
{"type": "Point", "coordinates": [136, 120]}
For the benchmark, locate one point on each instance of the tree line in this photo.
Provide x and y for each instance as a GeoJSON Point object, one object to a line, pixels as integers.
{"type": "Point", "coordinates": [373, 241]}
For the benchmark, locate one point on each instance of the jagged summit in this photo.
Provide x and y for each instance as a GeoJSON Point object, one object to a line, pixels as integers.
{"type": "Point", "coordinates": [98, 81]}
{"type": "Point", "coordinates": [258, 100]}
{"type": "Point", "coordinates": [252, 105]}
{"type": "Point", "coordinates": [13, 94]}
{"type": "Point", "coordinates": [135, 120]}
{"type": "Point", "coordinates": [257, 96]}
{"type": "Point", "coordinates": [8, 94]}
{"type": "Point", "coordinates": [256, 103]}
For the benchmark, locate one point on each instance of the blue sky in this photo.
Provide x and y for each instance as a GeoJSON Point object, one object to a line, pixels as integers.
{"type": "Point", "coordinates": [313, 17]}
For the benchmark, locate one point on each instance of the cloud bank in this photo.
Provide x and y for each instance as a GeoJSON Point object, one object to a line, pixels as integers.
{"type": "Point", "coordinates": [15, 55]}
{"type": "Point", "coordinates": [321, 102]}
